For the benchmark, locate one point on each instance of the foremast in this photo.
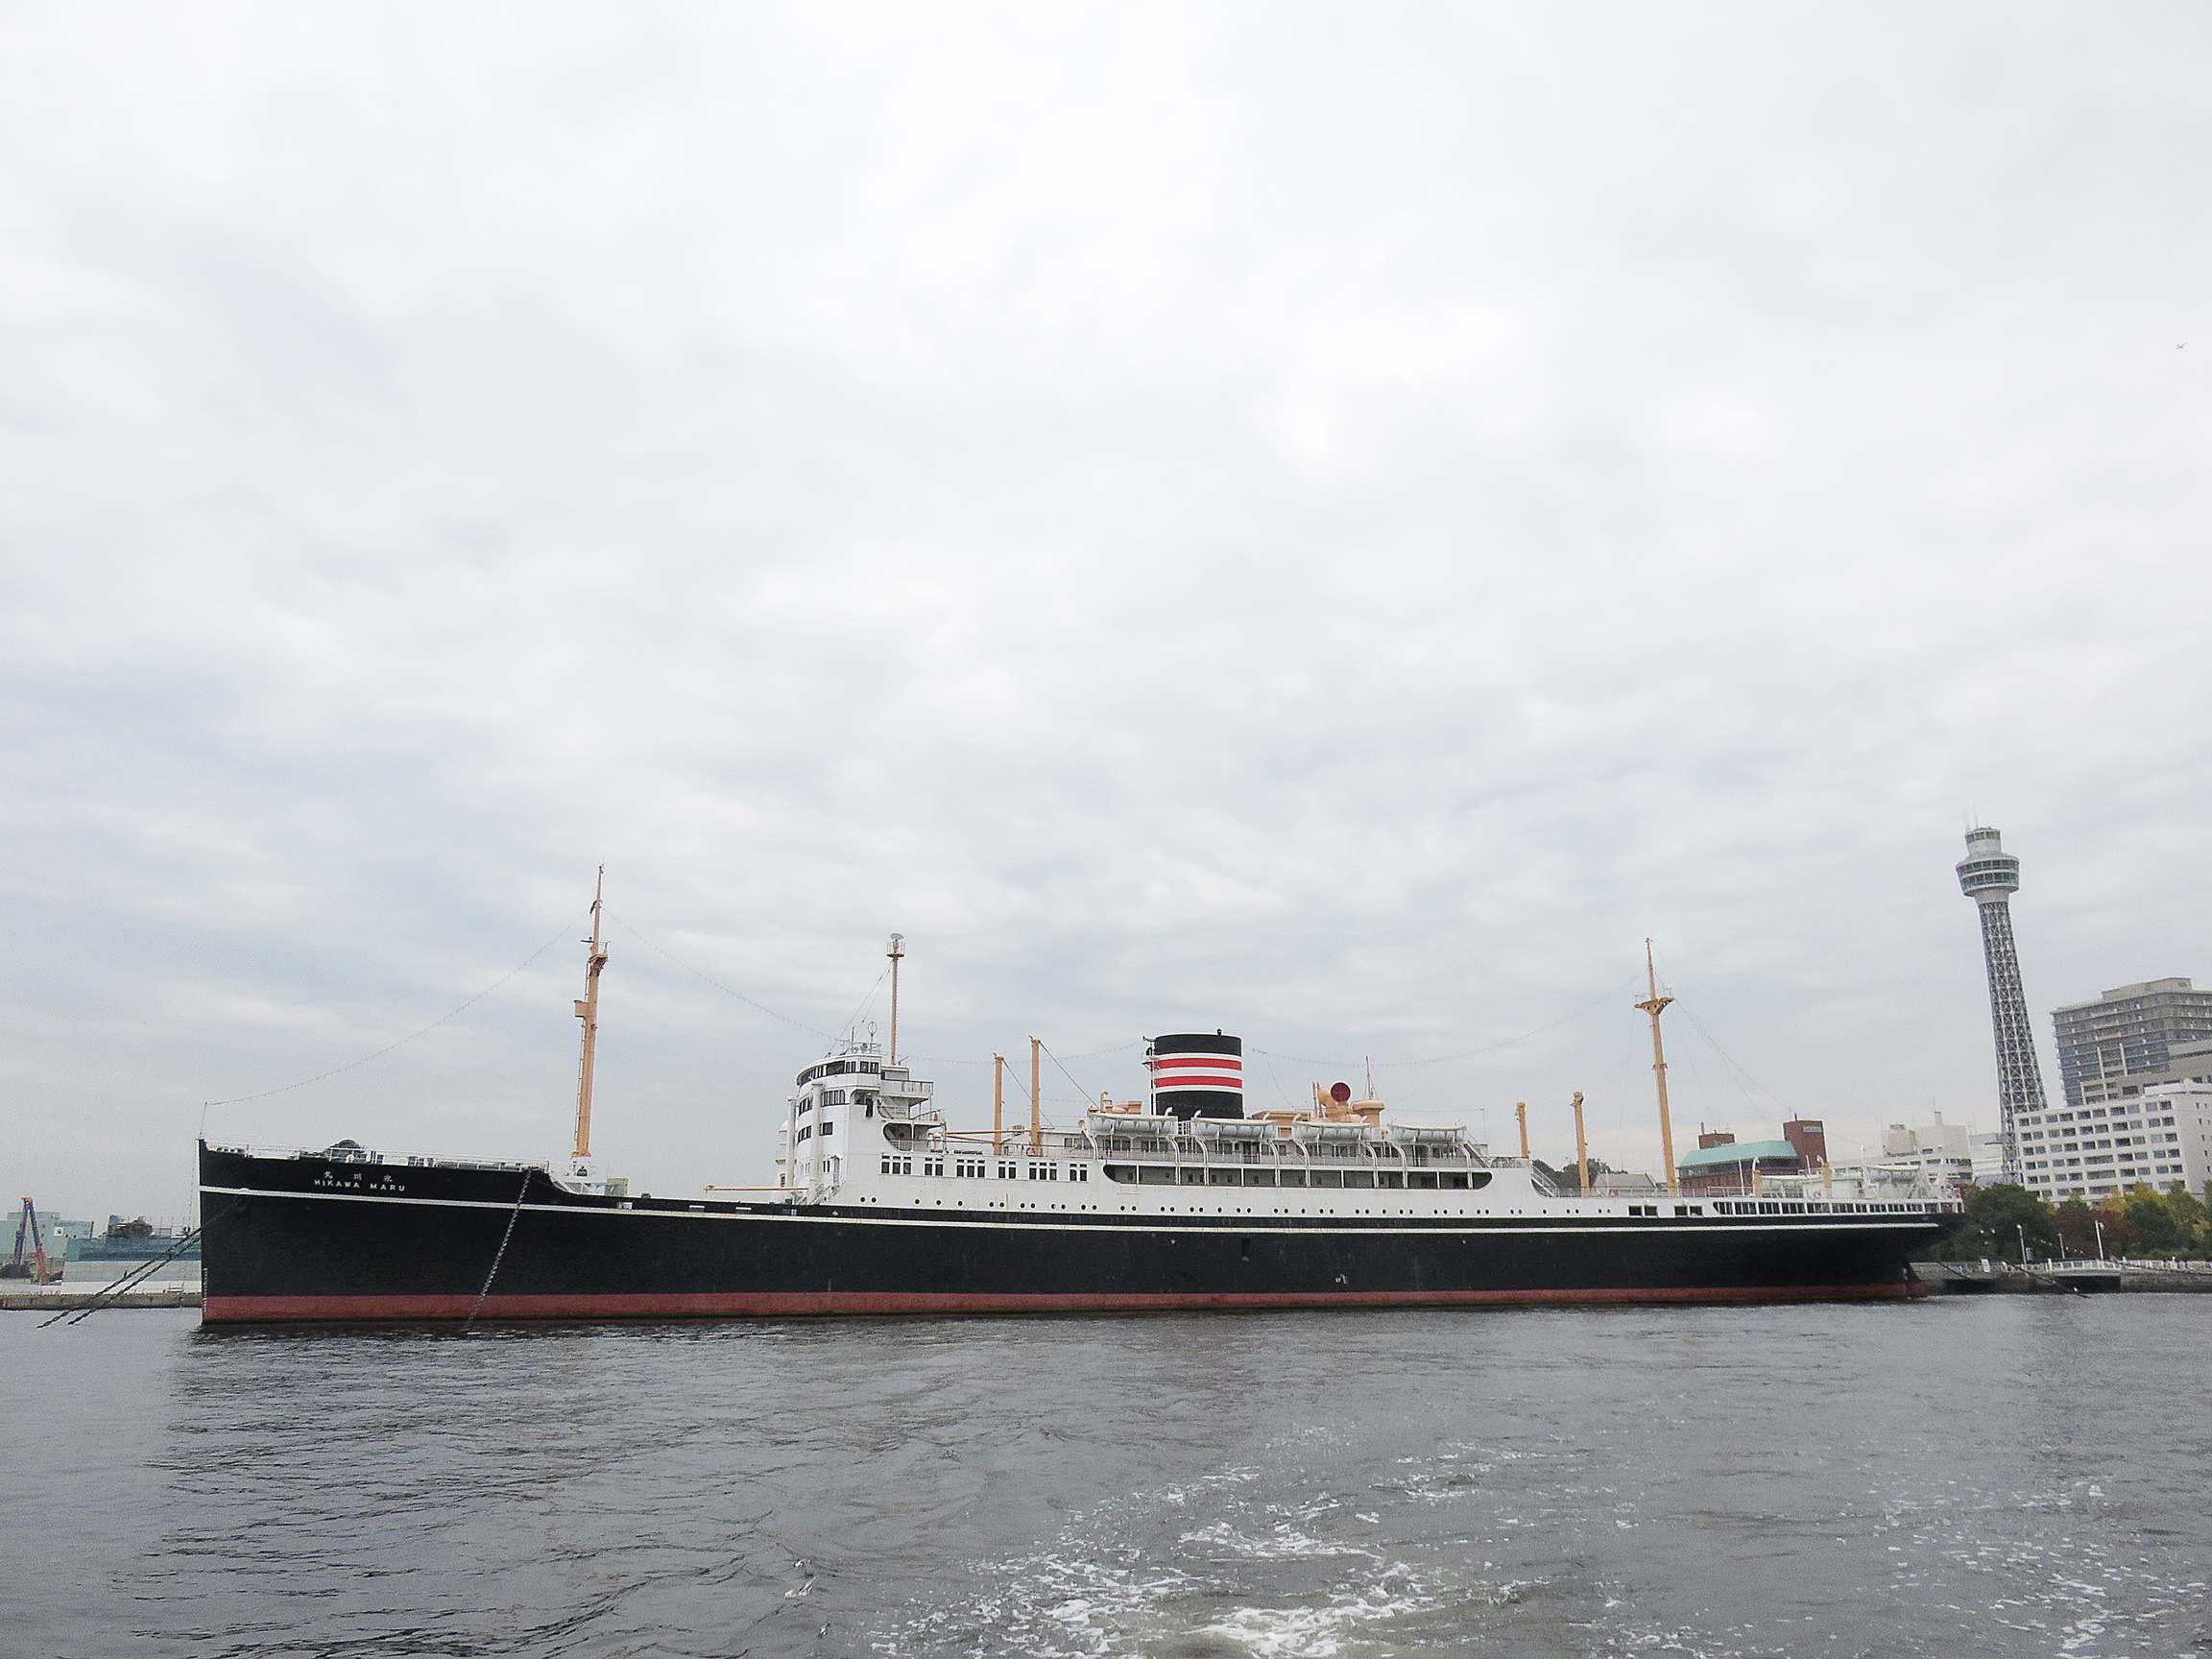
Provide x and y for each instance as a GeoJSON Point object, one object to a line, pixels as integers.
{"type": "Point", "coordinates": [588, 1011]}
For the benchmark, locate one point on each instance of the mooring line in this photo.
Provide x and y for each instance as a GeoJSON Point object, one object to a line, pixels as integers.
{"type": "Point", "coordinates": [138, 1276]}
{"type": "Point", "coordinates": [512, 1215]}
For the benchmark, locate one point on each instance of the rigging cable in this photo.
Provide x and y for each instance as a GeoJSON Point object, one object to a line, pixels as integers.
{"type": "Point", "coordinates": [796, 1025]}
{"type": "Point", "coordinates": [1443, 1059]}
{"type": "Point", "coordinates": [241, 1099]}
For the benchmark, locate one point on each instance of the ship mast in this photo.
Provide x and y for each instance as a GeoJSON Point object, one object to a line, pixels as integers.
{"type": "Point", "coordinates": [897, 956]}
{"type": "Point", "coordinates": [1656, 1006]}
{"type": "Point", "coordinates": [588, 1011]}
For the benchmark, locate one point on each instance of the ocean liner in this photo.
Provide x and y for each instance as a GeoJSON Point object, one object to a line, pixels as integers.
{"type": "Point", "coordinates": [1179, 1200]}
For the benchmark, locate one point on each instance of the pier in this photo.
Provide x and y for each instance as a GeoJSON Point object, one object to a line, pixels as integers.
{"type": "Point", "coordinates": [2062, 1278]}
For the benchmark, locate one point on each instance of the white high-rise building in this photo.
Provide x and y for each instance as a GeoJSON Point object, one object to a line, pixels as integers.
{"type": "Point", "coordinates": [2154, 1139]}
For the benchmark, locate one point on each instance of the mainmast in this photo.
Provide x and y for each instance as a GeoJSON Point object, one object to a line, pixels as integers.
{"type": "Point", "coordinates": [1656, 1006]}
{"type": "Point", "coordinates": [588, 1011]}
{"type": "Point", "coordinates": [897, 956]}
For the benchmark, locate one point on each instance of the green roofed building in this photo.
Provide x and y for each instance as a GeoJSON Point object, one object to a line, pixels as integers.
{"type": "Point", "coordinates": [1724, 1163]}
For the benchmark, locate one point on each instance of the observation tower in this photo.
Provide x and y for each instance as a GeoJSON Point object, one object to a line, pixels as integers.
{"type": "Point", "coordinates": [1990, 875]}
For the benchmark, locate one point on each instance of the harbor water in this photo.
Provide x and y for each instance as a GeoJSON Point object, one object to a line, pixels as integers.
{"type": "Point", "coordinates": [1973, 1476]}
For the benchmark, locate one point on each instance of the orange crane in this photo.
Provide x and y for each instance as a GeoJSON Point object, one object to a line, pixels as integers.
{"type": "Point", "coordinates": [26, 1232]}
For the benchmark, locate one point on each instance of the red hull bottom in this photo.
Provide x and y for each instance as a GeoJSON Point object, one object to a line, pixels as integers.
{"type": "Point", "coordinates": [860, 1304]}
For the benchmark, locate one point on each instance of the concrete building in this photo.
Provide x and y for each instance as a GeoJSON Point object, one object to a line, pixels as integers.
{"type": "Point", "coordinates": [2131, 1036]}
{"type": "Point", "coordinates": [1939, 1153]}
{"type": "Point", "coordinates": [2154, 1138]}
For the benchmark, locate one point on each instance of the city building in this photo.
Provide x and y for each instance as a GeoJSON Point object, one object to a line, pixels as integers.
{"type": "Point", "coordinates": [1722, 1164]}
{"type": "Point", "coordinates": [1990, 875]}
{"type": "Point", "coordinates": [2190, 1063]}
{"type": "Point", "coordinates": [1939, 1153]}
{"type": "Point", "coordinates": [2131, 1036]}
{"type": "Point", "coordinates": [2154, 1139]}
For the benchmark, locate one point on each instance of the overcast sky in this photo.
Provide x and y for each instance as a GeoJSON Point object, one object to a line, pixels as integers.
{"type": "Point", "coordinates": [1330, 522]}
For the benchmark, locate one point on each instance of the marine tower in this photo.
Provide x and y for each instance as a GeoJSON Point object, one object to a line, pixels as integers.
{"type": "Point", "coordinates": [1990, 875]}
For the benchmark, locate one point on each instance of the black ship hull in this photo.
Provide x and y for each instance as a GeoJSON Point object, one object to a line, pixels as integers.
{"type": "Point", "coordinates": [305, 1239]}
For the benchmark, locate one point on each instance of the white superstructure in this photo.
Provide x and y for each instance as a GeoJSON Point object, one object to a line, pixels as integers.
{"type": "Point", "coordinates": [862, 1132]}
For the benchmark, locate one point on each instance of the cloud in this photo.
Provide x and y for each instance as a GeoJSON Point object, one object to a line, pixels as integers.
{"type": "Point", "coordinates": [1333, 527]}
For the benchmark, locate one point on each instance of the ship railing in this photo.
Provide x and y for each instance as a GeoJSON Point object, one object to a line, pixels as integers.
{"type": "Point", "coordinates": [363, 1155]}
{"type": "Point", "coordinates": [1326, 1153]}
{"type": "Point", "coordinates": [906, 1111]}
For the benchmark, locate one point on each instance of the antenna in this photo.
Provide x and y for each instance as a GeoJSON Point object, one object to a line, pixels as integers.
{"type": "Point", "coordinates": [588, 1011]}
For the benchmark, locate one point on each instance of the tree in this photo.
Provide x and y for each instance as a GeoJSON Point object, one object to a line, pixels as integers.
{"type": "Point", "coordinates": [2119, 1232]}
{"type": "Point", "coordinates": [2158, 1231]}
{"type": "Point", "coordinates": [1997, 1219]}
{"type": "Point", "coordinates": [2077, 1225]}
{"type": "Point", "coordinates": [2190, 1215]}
{"type": "Point", "coordinates": [1569, 1178]}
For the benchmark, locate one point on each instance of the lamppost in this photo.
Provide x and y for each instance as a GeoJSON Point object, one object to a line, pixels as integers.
{"type": "Point", "coordinates": [2100, 1240]}
{"type": "Point", "coordinates": [2021, 1229]}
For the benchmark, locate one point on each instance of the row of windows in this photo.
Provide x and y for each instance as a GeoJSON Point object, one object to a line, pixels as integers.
{"type": "Point", "coordinates": [2086, 1115]}
{"type": "Point", "coordinates": [828, 1126]}
{"type": "Point", "coordinates": [1268, 1149]}
{"type": "Point", "coordinates": [2087, 1143]}
{"type": "Point", "coordinates": [1218, 1175]}
{"type": "Point", "coordinates": [837, 1097]}
{"type": "Point", "coordinates": [1778, 1207]}
{"type": "Point", "coordinates": [838, 1069]}
{"type": "Point", "coordinates": [980, 1168]}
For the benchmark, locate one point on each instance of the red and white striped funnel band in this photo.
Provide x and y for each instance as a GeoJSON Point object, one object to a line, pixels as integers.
{"type": "Point", "coordinates": [1197, 1071]}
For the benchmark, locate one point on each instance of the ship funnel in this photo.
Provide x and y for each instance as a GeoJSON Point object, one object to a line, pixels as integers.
{"type": "Point", "coordinates": [1197, 1074]}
